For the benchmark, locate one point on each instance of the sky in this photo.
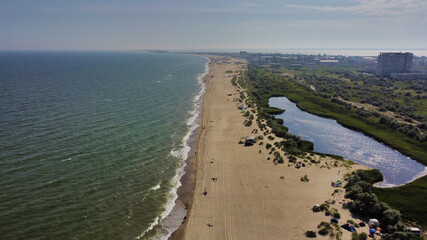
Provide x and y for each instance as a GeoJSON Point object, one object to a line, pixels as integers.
{"type": "Point", "coordinates": [214, 24]}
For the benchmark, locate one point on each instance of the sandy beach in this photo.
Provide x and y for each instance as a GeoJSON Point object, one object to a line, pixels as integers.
{"type": "Point", "coordinates": [239, 193]}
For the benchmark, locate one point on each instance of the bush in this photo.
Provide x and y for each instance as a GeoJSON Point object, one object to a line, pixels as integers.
{"type": "Point", "coordinates": [390, 217]}
{"type": "Point", "coordinates": [274, 111]}
{"type": "Point", "coordinates": [324, 207]}
{"type": "Point", "coordinates": [325, 228]}
{"type": "Point", "coordinates": [304, 179]}
{"type": "Point", "coordinates": [337, 215]}
{"type": "Point", "coordinates": [363, 236]}
{"type": "Point", "coordinates": [354, 236]}
{"type": "Point", "coordinates": [268, 146]}
{"type": "Point", "coordinates": [310, 234]}
{"type": "Point", "coordinates": [292, 159]}
{"type": "Point", "coordinates": [400, 236]}
{"type": "Point", "coordinates": [247, 123]}
{"type": "Point", "coordinates": [323, 231]}
{"type": "Point", "coordinates": [305, 145]}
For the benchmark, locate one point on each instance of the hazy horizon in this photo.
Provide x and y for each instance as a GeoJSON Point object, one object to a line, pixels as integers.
{"type": "Point", "coordinates": [197, 25]}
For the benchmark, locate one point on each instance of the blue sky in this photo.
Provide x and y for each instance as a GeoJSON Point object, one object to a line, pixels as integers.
{"type": "Point", "coordinates": [217, 24]}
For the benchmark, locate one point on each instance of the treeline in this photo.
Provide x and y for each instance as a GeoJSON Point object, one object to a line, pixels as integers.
{"type": "Point", "coordinates": [408, 129]}
{"type": "Point", "coordinates": [400, 96]}
{"type": "Point", "coordinates": [359, 189]}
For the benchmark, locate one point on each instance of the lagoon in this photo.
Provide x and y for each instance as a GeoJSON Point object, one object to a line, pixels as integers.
{"type": "Point", "coordinates": [330, 137]}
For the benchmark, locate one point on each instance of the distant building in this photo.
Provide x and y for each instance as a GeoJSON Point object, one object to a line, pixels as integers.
{"type": "Point", "coordinates": [389, 62]}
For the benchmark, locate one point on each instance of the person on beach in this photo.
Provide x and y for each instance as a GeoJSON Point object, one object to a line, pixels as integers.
{"type": "Point", "coordinates": [205, 192]}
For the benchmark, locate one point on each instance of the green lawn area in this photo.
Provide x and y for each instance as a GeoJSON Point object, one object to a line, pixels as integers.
{"type": "Point", "coordinates": [410, 199]}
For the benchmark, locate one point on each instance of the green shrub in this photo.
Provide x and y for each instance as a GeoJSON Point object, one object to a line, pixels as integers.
{"type": "Point", "coordinates": [351, 222]}
{"type": "Point", "coordinates": [304, 179]}
{"type": "Point", "coordinates": [337, 215]}
{"type": "Point", "coordinates": [363, 236]}
{"type": "Point", "coordinates": [292, 159]}
{"type": "Point", "coordinates": [310, 234]}
{"type": "Point", "coordinates": [268, 146]}
{"type": "Point", "coordinates": [324, 206]}
{"type": "Point", "coordinates": [274, 111]}
{"type": "Point", "coordinates": [306, 145]}
{"type": "Point", "coordinates": [325, 228]}
{"type": "Point", "coordinates": [354, 236]}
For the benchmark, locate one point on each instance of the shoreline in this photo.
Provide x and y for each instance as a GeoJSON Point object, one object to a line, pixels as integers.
{"type": "Point", "coordinates": [188, 181]}
{"type": "Point", "coordinates": [235, 206]}
{"type": "Point", "coordinates": [388, 152]}
{"type": "Point", "coordinates": [177, 215]}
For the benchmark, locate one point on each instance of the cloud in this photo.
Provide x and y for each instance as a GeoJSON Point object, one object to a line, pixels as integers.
{"type": "Point", "coordinates": [249, 4]}
{"type": "Point", "coordinates": [374, 7]}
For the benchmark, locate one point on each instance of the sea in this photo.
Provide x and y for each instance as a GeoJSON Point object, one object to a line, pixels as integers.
{"type": "Point", "coordinates": [93, 144]}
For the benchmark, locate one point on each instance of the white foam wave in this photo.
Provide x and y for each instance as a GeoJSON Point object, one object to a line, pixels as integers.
{"type": "Point", "coordinates": [182, 154]}
{"type": "Point", "coordinates": [152, 225]}
{"type": "Point", "coordinates": [155, 187]}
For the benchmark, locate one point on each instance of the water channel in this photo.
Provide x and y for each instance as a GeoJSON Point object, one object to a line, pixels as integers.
{"type": "Point", "coordinates": [330, 137]}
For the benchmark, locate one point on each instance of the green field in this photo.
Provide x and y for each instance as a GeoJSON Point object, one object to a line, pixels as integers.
{"type": "Point", "coordinates": [410, 199]}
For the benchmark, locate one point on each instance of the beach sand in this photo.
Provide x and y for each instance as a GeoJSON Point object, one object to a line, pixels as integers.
{"type": "Point", "coordinates": [249, 200]}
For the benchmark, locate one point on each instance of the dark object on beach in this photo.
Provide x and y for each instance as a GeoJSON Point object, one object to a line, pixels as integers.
{"type": "Point", "coordinates": [205, 192]}
{"type": "Point", "coordinates": [249, 143]}
{"type": "Point", "coordinates": [310, 234]}
{"type": "Point", "coordinates": [362, 224]}
{"type": "Point", "coordinates": [334, 220]}
{"type": "Point", "coordinates": [303, 164]}
{"type": "Point", "coordinates": [210, 225]}
{"type": "Point", "coordinates": [298, 165]}
{"type": "Point", "coordinates": [348, 227]}
{"type": "Point", "coordinates": [282, 178]}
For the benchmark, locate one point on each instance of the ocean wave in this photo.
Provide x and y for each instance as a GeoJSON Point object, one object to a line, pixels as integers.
{"type": "Point", "coordinates": [152, 225]}
{"type": "Point", "coordinates": [182, 154]}
{"type": "Point", "coordinates": [155, 187]}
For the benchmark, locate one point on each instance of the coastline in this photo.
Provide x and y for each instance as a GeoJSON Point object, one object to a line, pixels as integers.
{"type": "Point", "coordinates": [184, 183]}
{"type": "Point", "coordinates": [236, 206]}
{"type": "Point", "coordinates": [291, 215]}
{"type": "Point", "coordinates": [188, 182]}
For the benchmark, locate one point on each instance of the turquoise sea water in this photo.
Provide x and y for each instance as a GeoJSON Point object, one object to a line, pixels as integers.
{"type": "Point", "coordinates": [92, 142]}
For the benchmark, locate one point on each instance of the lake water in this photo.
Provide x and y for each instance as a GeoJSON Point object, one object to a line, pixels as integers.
{"type": "Point", "coordinates": [330, 137]}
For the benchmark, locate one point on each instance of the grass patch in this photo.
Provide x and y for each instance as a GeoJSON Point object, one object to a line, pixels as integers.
{"type": "Point", "coordinates": [410, 199]}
